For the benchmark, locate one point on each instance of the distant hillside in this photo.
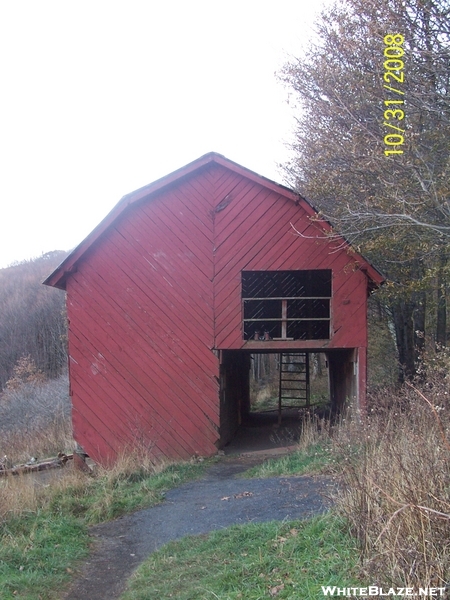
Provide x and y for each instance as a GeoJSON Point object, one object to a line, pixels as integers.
{"type": "Point", "coordinates": [32, 317]}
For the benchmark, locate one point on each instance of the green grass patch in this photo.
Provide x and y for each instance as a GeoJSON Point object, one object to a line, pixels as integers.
{"type": "Point", "coordinates": [38, 548]}
{"type": "Point", "coordinates": [36, 552]}
{"type": "Point", "coordinates": [249, 562]}
{"type": "Point", "coordinates": [314, 459]}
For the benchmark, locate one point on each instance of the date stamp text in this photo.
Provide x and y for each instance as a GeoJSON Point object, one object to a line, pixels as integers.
{"type": "Point", "coordinates": [394, 78]}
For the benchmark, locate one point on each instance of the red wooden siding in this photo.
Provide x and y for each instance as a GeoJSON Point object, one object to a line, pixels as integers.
{"type": "Point", "coordinates": [155, 292]}
{"type": "Point", "coordinates": [141, 330]}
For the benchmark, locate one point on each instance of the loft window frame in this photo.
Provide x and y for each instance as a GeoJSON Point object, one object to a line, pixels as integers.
{"type": "Point", "coordinates": [284, 319]}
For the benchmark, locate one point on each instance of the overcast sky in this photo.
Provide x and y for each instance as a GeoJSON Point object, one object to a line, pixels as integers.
{"type": "Point", "coordinates": [102, 97]}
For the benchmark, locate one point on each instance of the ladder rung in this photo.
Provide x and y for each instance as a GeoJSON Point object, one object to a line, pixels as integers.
{"type": "Point", "coordinates": [294, 372]}
{"type": "Point", "coordinates": [293, 364]}
{"type": "Point", "coordinates": [293, 388]}
{"type": "Point", "coordinates": [296, 399]}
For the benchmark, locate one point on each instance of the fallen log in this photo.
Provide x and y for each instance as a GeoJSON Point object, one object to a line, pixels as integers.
{"type": "Point", "coordinates": [50, 463]}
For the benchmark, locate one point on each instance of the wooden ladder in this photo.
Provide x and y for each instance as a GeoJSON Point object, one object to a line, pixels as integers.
{"type": "Point", "coordinates": [294, 381]}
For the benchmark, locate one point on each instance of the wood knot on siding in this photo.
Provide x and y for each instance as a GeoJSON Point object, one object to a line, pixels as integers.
{"type": "Point", "coordinates": [224, 203]}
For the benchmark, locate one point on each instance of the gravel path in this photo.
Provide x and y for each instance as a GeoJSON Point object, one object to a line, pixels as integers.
{"type": "Point", "coordinates": [216, 501]}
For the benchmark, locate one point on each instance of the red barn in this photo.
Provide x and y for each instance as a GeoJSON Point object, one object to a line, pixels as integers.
{"type": "Point", "coordinates": [186, 278]}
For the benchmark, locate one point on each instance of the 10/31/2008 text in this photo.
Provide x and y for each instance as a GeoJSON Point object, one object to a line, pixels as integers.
{"type": "Point", "coordinates": [394, 75]}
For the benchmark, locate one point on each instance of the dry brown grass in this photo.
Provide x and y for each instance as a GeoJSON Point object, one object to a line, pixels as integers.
{"type": "Point", "coordinates": [21, 494]}
{"type": "Point", "coordinates": [314, 429]}
{"type": "Point", "coordinates": [21, 445]}
{"type": "Point", "coordinates": [135, 461]}
{"type": "Point", "coordinates": [35, 420]}
{"type": "Point", "coordinates": [24, 494]}
{"type": "Point", "coordinates": [396, 485]}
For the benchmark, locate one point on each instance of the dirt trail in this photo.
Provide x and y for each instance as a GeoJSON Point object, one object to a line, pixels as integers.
{"type": "Point", "coordinates": [216, 501]}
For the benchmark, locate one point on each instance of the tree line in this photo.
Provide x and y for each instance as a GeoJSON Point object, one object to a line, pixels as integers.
{"type": "Point", "coordinates": [33, 321]}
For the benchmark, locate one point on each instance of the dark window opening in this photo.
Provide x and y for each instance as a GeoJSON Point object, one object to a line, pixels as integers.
{"type": "Point", "coordinates": [286, 305]}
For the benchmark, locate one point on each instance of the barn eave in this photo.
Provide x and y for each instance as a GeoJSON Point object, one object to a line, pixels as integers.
{"type": "Point", "coordinates": [58, 278]}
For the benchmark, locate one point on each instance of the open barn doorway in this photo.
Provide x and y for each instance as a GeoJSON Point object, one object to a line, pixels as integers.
{"type": "Point", "coordinates": [285, 382]}
{"type": "Point", "coordinates": [265, 396]}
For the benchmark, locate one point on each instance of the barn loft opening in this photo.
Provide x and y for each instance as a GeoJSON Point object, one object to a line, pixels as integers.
{"type": "Point", "coordinates": [286, 305]}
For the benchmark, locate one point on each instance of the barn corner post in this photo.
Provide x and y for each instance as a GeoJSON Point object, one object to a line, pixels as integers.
{"type": "Point", "coordinates": [348, 379]}
{"type": "Point", "coordinates": [361, 399]}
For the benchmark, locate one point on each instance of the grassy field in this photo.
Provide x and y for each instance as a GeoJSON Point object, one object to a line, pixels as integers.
{"type": "Point", "coordinates": [390, 525]}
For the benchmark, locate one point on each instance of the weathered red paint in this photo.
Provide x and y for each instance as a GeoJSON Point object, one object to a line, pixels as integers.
{"type": "Point", "coordinates": [154, 293]}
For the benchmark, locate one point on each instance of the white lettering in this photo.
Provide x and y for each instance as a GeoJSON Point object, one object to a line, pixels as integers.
{"type": "Point", "coordinates": [328, 591]}
{"type": "Point", "coordinates": [373, 590]}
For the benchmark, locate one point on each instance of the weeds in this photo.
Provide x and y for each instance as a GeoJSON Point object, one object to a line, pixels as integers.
{"type": "Point", "coordinates": [396, 489]}
{"type": "Point", "coordinates": [314, 452]}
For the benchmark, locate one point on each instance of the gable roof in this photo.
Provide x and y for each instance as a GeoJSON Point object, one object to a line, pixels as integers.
{"type": "Point", "coordinates": [59, 276]}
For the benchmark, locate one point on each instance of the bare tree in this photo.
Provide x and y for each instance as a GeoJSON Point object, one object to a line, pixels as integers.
{"type": "Point", "coordinates": [379, 73]}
